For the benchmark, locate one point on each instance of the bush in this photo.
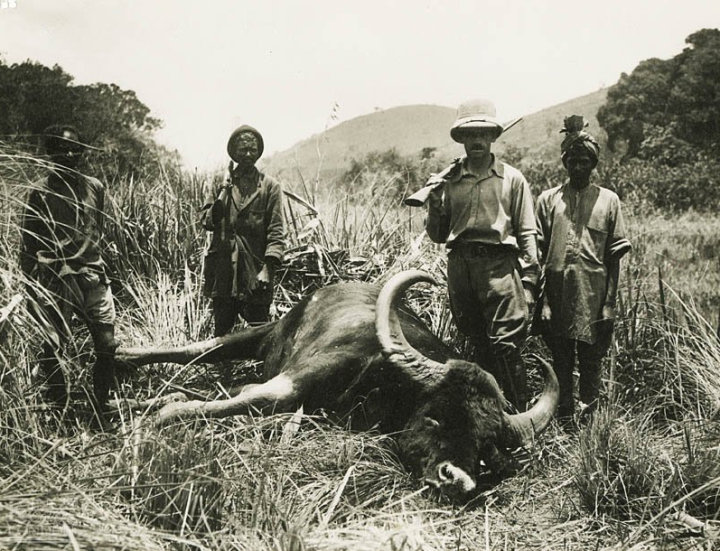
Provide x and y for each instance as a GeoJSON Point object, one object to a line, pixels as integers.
{"type": "Point", "coordinates": [390, 174]}
{"type": "Point", "coordinates": [620, 473]}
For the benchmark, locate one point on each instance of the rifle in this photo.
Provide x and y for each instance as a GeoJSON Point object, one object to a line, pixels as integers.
{"type": "Point", "coordinates": [225, 198]}
{"type": "Point", "coordinates": [420, 197]}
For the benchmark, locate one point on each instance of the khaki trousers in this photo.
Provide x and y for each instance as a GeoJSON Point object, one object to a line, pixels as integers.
{"type": "Point", "coordinates": [488, 305]}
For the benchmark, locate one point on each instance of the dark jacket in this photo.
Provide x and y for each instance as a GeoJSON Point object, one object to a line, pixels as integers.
{"type": "Point", "coordinates": [62, 227]}
{"type": "Point", "coordinates": [247, 233]}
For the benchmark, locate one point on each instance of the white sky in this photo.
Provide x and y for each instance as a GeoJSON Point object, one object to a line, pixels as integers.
{"type": "Point", "coordinates": [206, 66]}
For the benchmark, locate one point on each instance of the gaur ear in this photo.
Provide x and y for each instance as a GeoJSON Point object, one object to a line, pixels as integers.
{"type": "Point", "coordinates": [431, 423]}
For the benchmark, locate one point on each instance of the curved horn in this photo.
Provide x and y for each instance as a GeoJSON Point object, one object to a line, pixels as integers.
{"type": "Point", "coordinates": [236, 346]}
{"type": "Point", "coordinates": [522, 428]}
{"type": "Point", "coordinates": [395, 346]}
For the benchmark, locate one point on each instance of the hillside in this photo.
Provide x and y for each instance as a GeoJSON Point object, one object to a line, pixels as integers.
{"type": "Point", "coordinates": [539, 133]}
{"type": "Point", "coordinates": [408, 128]}
{"type": "Point", "coordinates": [411, 128]}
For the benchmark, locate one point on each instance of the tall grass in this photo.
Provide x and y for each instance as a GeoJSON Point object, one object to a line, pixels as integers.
{"type": "Point", "coordinates": [648, 458]}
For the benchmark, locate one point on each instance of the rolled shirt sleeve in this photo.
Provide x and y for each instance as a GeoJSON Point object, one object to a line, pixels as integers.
{"type": "Point", "coordinates": [617, 244]}
{"type": "Point", "coordinates": [437, 223]}
{"type": "Point", "coordinates": [524, 225]}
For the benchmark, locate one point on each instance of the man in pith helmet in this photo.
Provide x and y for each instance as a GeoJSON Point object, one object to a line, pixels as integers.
{"type": "Point", "coordinates": [245, 216]}
{"type": "Point", "coordinates": [581, 237]}
{"type": "Point", "coordinates": [483, 212]}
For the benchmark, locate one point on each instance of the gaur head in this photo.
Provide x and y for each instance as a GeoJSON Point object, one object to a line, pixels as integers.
{"type": "Point", "coordinates": [460, 419]}
{"type": "Point", "coordinates": [459, 416]}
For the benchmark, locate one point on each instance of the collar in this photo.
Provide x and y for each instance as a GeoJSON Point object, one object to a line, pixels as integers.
{"type": "Point", "coordinates": [253, 174]}
{"type": "Point", "coordinates": [573, 189]}
{"type": "Point", "coordinates": [57, 179]}
{"type": "Point", "coordinates": [496, 167]}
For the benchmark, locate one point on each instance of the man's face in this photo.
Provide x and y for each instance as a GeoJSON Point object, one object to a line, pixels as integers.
{"type": "Point", "coordinates": [477, 141]}
{"type": "Point", "coordinates": [579, 164]}
{"type": "Point", "coordinates": [245, 149]}
{"type": "Point", "coordinates": [67, 151]}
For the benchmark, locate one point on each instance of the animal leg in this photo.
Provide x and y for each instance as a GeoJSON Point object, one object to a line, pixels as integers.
{"type": "Point", "coordinates": [244, 344]}
{"type": "Point", "coordinates": [277, 394]}
{"type": "Point", "coordinates": [150, 403]}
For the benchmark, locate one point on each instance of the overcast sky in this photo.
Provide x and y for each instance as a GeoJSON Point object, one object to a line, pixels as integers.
{"type": "Point", "coordinates": [292, 68]}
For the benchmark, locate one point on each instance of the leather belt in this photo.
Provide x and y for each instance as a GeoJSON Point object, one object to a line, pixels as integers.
{"type": "Point", "coordinates": [480, 249]}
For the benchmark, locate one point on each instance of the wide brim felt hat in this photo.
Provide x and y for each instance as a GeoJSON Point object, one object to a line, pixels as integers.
{"type": "Point", "coordinates": [236, 134]}
{"type": "Point", "coordinates": [475, 114]}
{"type": "Point", "coordinates": [64, 136]}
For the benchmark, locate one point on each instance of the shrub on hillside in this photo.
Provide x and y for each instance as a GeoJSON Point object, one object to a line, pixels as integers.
{"type": "Point", "coordinates": [644, 182]}
{"type": "Point", "coordinates": [680, 94]}
{"type": "Point", "coordinates": [694, 185]}
{"type": "Point", "coordinates": [390, 174]}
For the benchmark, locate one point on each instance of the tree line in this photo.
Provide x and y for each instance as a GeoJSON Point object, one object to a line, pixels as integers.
{"type": "Point", "coordinates": [113, 120]}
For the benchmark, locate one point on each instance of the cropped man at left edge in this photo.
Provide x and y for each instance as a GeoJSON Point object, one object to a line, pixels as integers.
{"type": "Point", "coordinates": [65, 273]}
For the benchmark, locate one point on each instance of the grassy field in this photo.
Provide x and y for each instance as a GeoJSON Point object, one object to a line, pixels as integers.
{"type": "Point", "coordinates": [644, 474]}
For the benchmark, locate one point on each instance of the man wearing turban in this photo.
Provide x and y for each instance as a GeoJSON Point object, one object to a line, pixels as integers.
{"type": "Point", "coordinates": [581, 239]}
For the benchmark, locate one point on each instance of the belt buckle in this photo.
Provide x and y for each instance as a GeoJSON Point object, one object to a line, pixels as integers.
{"type": "Point", "coordinates": [480, 250]}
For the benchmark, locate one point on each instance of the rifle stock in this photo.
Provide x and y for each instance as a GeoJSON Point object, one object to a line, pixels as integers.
{"type": "Point", "coordinates": [420, 197]}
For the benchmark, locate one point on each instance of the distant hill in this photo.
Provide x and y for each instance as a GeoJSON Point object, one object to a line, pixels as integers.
{"type": "Point", "coordinates": [539, 133]}
{"type": "Point", "coordinates": [411, 128]}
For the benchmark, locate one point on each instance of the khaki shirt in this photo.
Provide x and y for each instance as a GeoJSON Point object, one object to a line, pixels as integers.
{"type": "Point", "coordinates": [494, 209]}
{"type": "Point", "coordinates": [579, 233]}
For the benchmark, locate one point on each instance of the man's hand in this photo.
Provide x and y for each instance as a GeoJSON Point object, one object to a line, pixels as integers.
{"type": "Point", "coordinates": [546, 313]}
{"type": "Point", "coordinates": [435, 198]}
{"type": "Point", "coordinates": [608, 313]}
{"type": "Point", "coordinates": [216, 212]}
{"type": "Point", "coordinates": [530, 301]}
{"type": "Point", "coordinates": [263, 277]}
{"type": "Point", "coordinates": [529, 298]}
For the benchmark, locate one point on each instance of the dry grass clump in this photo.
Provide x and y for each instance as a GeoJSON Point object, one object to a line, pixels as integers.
{"type": "Point", "coordinates": [621, 473]}
{"type": "Point", "coordinates": [670, 358]}
{"type": "Point", "coordinates": [261, 473]}
{"type": "Point", "coordinates": [700, 474]}
{"type": "Point", "coordinates": [651, 456]}
{"type": "Point", "coordinates": [50, 518]}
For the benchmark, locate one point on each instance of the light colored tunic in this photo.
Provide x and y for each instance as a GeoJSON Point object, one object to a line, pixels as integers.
{"type": "Point", "coordinates": [580, 232]}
